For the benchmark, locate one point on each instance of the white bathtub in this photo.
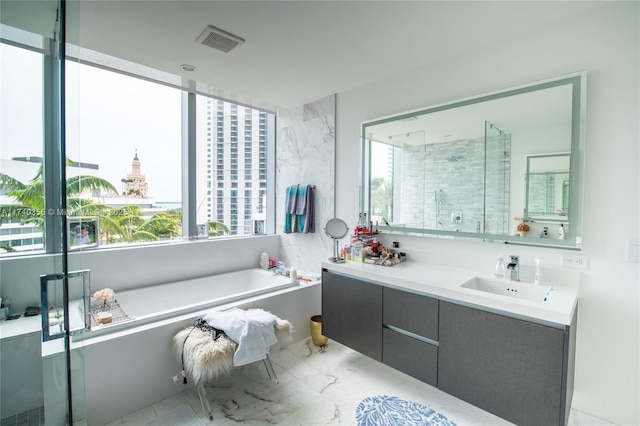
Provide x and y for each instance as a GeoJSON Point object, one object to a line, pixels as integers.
{"type": "Point", "coordinates": [125, 367]}
{"type": "Point", "coordinates": [158, 302]}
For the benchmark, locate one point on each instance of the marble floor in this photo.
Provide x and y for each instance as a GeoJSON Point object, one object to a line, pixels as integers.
{"type": "Point", "coordinates": [317, 386]}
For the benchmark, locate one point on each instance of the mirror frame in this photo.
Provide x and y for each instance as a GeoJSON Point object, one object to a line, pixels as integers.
{"type": "Point", "coordinates": [332, 223]}
{"type": "Point", "coordinates": [574, 219]}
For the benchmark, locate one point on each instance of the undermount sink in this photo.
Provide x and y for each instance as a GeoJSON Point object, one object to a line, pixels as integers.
{"type": "Point", "coordinates": [515, 289]}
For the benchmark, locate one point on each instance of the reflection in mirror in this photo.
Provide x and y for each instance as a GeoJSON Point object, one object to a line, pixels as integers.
{"type": "Point", "coordinates": [547, 187]}
{"type": "Point", "coordinates": [459, 169]}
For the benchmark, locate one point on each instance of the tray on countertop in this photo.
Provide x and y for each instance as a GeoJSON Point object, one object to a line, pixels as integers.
{"type": "Point", "coordinates": [116, 311]}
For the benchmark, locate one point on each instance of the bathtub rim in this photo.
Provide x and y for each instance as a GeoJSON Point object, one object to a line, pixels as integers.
{"type": "Point", "coordinates": [55, 347]}
{"type": "Point", "coordinates": [136, 320]}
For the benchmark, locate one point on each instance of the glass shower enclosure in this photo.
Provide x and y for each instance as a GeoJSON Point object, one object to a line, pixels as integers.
{"type": "Point", "coordinates": [41, 368]}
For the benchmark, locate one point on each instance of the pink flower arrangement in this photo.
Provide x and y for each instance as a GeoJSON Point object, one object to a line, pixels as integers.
{"type": "Point", "coordinates": [104, 295]}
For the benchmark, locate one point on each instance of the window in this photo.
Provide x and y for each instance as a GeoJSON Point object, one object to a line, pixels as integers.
{"type": "Point", "coordinates": [238, 149]}
{"type": "Point", "coordinates": [21, 146]}
{"type": "Point", "coordinates": [125, 134]}
{"type": "Point", "coordinates": [130, 130]}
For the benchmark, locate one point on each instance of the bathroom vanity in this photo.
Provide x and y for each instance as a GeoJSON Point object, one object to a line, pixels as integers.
{"type": "Point", "coordinates": [507, 355]}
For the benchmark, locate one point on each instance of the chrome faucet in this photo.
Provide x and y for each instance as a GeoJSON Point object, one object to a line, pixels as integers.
{"type": "Point", "coordinates": [514, 268]}
{"type": "Point", "coordinates": [280, 269]}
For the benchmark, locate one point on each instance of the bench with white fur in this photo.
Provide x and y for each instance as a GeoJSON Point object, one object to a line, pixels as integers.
{"type": "Point", "coordinates": [204, 359]}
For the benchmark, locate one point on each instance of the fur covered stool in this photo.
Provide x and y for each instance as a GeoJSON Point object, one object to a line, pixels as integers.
{"type": "Point", "coordinates": [207, 353]}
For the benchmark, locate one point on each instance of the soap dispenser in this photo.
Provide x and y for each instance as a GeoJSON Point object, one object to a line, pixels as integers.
{"type": "Point", "coordinates": [501, 269]}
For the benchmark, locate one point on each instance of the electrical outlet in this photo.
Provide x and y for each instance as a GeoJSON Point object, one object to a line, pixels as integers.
{"type": "Point", "coordinates": [633, 251]}
{"type": "Point", "coordinates": [575, 261]}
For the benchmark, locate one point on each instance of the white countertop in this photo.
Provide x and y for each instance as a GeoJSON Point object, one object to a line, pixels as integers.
{"type": "Point", "coordinates": [443, 282]}
{"type": "Point", "coordinates": [21, 326]}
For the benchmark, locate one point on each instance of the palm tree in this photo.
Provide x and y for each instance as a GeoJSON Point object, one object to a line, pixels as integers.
{"type": "Point", "coordinates": [381, 198]}
{"type": "Point", "coordinates": [163, 225]}
{"type": "Point", "coordinates": [124, 224]}
{"type": "Point", "coordinates": [120, 224]}
{"type": "Point", "coordinates": [30, 197]}
{"type": "Point", "coordinates": [217, 228]}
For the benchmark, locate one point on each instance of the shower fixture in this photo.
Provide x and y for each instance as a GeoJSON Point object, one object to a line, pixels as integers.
{"type": "Point", "coordinates": [493, 126]}
{"type": "Point", "coordinates": [439, 200]}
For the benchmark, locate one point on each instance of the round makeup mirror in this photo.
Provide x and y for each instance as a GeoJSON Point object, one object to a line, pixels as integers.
{"type": "Point", "coordinates": [336, 229]}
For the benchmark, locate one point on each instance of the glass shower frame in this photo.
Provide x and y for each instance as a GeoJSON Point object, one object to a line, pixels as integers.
{"type": "Point", "coordinates": [54, 391]}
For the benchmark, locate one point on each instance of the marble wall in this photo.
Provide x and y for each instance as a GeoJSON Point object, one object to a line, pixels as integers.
{"type": "Point", "coordinates": [305, 154]}
{"type": "Point", "coordinates": [463, 171]}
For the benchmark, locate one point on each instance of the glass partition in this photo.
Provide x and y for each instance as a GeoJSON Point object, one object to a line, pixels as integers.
{"type": "Point", "coordinates": [42, 380]}
{"type": "Point", "coordinates": [497, 171]}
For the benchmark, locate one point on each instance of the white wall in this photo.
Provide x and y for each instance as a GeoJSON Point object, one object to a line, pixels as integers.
{"type": "Point", "coordinates": [604, 42]}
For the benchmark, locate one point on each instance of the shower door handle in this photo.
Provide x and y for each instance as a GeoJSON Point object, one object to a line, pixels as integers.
{"type": "Point", "coordinates": [63, 315]}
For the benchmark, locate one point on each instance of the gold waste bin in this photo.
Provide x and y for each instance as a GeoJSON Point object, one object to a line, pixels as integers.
{"type": "Point", "coordinates": [316, 331]}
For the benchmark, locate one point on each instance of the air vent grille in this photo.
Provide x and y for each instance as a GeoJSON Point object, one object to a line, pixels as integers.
{"type": "Point", "coordinates": [219, 39]}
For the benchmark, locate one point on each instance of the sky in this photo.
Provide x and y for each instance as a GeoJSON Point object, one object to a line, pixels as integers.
{"type": "Point", "coordinates": [109, 117]}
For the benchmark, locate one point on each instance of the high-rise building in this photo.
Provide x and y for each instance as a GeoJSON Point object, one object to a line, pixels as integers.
{"type": "Point", "coordinates": [236, 171]}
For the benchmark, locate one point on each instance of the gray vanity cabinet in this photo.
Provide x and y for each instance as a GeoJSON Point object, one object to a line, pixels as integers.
{"type": "Point", "coordinates": [352, 313]}
{"type": "Point", "coordinates": [518, 370]}
{"type": "Point", "coordinates": [411, 312]}
{"type": "Point", "coordinates": [409, 338]}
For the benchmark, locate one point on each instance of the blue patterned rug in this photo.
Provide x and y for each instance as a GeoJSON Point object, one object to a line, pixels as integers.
{"type": "Point", "coordinates": [384, 410]}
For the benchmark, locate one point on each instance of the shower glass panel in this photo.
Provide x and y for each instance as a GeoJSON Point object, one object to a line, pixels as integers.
{"type": "Point", "coordinates": [21, 100]}
{"type": "Point", "coordinates": [41, 376]}
{"type": "Point", "coordinates": [496, 186]}
{"type": "Point", "coordinates": [454, 183]}
{"type": "Point", "coordinates": [409, 193]}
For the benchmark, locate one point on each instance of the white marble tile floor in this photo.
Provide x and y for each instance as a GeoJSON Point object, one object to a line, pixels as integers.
{"type": "Point", "coordinates": [317, 386]}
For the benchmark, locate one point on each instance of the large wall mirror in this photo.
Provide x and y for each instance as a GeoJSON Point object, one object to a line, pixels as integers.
{"type": "Point", "coordinates": [478, 167]}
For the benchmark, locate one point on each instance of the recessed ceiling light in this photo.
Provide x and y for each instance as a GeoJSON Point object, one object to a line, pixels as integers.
{"type": "Point", "coordinates": [187, 67]}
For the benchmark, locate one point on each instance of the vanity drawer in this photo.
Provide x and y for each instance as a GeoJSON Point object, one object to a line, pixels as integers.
{"type": "Point", "coordinates": [411, 356]}
{"type": "Point", "coordinates": [410, 312]}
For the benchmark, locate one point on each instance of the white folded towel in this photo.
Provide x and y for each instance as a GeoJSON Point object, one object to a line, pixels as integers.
{"type": "Point", "coordinates": [252, 330]}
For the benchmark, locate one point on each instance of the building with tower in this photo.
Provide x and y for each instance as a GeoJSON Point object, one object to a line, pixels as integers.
{"type": "Point", "coordinates": [135, 185]}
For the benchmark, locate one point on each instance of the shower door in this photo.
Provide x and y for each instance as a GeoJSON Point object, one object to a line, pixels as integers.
{"type": "Point", "coordinates": [496, 182]}
{"type": "Point", "coordinates": [65, 309]}
{"type": "Point", "coordinates": [42, 368]}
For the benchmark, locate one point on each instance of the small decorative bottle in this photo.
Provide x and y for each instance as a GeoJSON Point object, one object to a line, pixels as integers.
{"type": "Point", "coordinates": [264, 261]}
{"type": "Point", "coordinates": [501, 269]}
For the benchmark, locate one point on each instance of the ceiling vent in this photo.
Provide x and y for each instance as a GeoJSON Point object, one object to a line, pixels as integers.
{"type": "Point", "coordinates": [219, 39]}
